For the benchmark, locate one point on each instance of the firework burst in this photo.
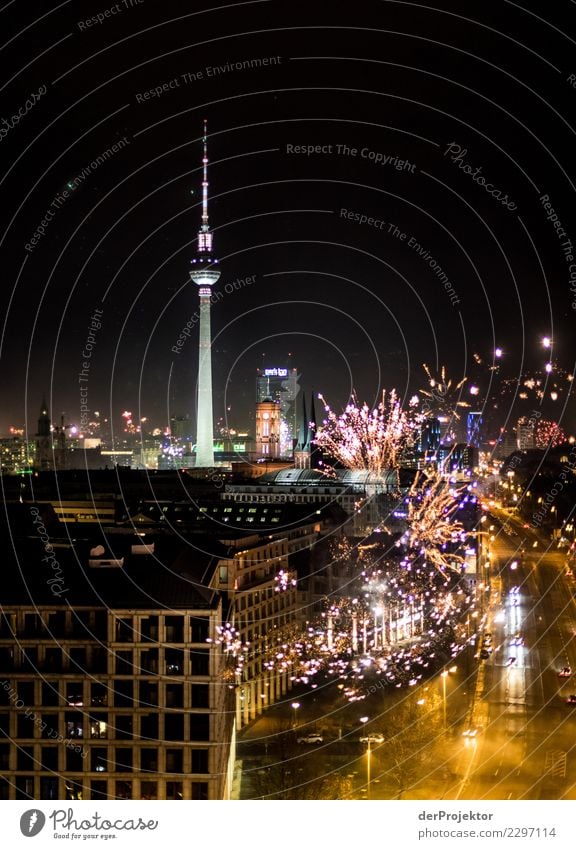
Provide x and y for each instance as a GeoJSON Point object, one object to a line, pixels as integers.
{"type": "Point", "coordinates": [548, 434]}
{"type": "Point", "coordinates": [440, 398]}
{"type": "Point", "coordinates": [431, 525]}
{"type": "Point", "coordinates": [370, 440]}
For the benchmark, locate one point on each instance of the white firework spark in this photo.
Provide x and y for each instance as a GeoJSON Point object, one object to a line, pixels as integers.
{"type": "Point", "coordinates": [365, 439]}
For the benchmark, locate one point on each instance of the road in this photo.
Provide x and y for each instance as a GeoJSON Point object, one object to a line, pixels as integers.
{"type": "Point", "coordinates": [524, 746]}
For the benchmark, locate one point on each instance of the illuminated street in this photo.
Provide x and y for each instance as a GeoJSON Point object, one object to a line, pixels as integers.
{"type": "Point", "coordinates": [523, 729]}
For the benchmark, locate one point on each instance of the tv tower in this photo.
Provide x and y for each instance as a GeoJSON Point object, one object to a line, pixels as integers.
{"type": "Point", "coordinates": [205, 275]}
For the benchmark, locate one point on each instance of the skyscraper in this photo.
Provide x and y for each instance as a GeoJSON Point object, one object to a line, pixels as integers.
{"type": "Point", "coordinates": [204, 274]}
{"type": "Point", "coordinates": [281, 385]}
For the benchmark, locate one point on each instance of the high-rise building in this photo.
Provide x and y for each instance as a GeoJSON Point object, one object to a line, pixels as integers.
{"type": "Point", "coordinates": [525, 436]}
{"type": "Point", "coordinates": [474, 429]}
{"type": "Point", "coordinates": [281, 386]}
{"type": "Point", "coordinates": [430, 436]}
{"type": "Point", "coordinates": [205, 275]}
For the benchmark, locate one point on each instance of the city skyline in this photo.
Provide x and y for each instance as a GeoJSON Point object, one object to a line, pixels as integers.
{"type": "Point", "coordinates": [288, 420]}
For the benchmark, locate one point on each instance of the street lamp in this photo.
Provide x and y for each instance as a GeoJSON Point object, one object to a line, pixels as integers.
{"type": "Point", "coordinates": [295, 706]}
{"type": "Point", "coordinates": [364, 720]}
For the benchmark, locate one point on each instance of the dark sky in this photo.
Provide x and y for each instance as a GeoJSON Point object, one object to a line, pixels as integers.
{"type": "Point", "coordinates": [355, 303]}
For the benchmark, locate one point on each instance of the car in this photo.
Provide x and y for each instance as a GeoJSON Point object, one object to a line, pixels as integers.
{"type": "Point", "coordinates": [373, 739]}
{"type": "Point", "coordinates": [311, 739]}
{"type": "Point", "coordinates": [517, 640]}
{"type": "Point", "coordinates": [514, 590]}
{"type": "Point", "coordinates": [470, 732]}
{"type": "Point", "coordinates": [565, 672]}
{"type": "Point", "coordinates": [510, 661]}
{"type": "Point", "coordinates": [571, 700]}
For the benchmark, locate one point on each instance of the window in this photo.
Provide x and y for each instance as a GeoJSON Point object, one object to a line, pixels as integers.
{"type": "Point", "coordinates": [4, 725]}
{"type": "Point", "coordinates": [123, 726]}
{"type": "Point", "coordinates": [49, 758]}
{"type": "Point", "coordinates": [123, 663]}
{"type": "Point", "coordinates": [74, 760]}
{"type": "Point", "coordinates": [74, 791]}
{"type": "Point", "coordinates": [50, 695]}
{"type": "Point", "coordinates": [98, 760]}
{"type": "Point", "coordinates": [50, 721]}
{"type": "Point", "coordinates": [74, 697]}
{"type": "Point", "coordinates": [48, 788]}
{"type": "Point", "coordinates": [98, 695]}
{"type": "Point", "coordinates": [4, 757]}
{"type": "Point", "coordinates": [124, 630]}
{"type": "Point", "coordinates": [174, 760]}
{"type": "Point", "coordinates": [24, 726]}
{"type": "Point", "coordinates": [78, 660]}
{"type": "Point", "coordinates": [7, 625]}
{"type": "Point", "coordinates": [73, 724]}
{"type": "Point", "coordinates": [149, 726]}
{"type": "Point", "coordinates": [53, 660]}
{"type": "Point", "coordinates": [148, 760]}
{"type": "Point", "coordinates": [174, 661]}
{"type": "Point", "coordinates": [123, 789]}
{"type": "Point", "coordinates": [98, 790]}
{"type": "Point", "coordinates": [149, 629]}
{"type": "Point", "coordinates": [99, 662]}
{"type": "Point", "coordinates": [174, 629]}
{"type": "Point", "coordinates": [25, 758]}
{"type": "Point", "coordinates": [149, 662]}
{"type": "Point", "coordinates": [148, 789]}
{"type": "Point", "coordinates": [174, 790]}
{"type": "Point", "coordinates": [100, 628]}
{"type": "Point", "coordinates": [200, 661]}
{"type": "Point", "coordinates": [199, 624]}
{"type": "Point", "coordinates": [123, 693]}
{"type": "Point", "coordinates": [26, 692]}
{"type": "Point", "coordinates": [123, 759]}
{"type": "Point", "coordinates": [199, 760]}
{"type": "Point", "coordinates": [199, 726]}
{"type": "Point", "coordinates": [199, 790]}
{"type": "Point", "coordinates": [30, 658]}
{"type": "Point", "coordinates": [148, 694]}
{"type": "Point", "coordinates": [24, 787]}
{"type": "Point", "coordinates": [174, 695]}
{"type": "Point", "coordinates": [99, 726]}
{"type": "Point", "coordinates": [173, 726]}
{"type": "Point", "coordinates": [32, 625]}
{"type": "Point", "coordinates": [200, 695]}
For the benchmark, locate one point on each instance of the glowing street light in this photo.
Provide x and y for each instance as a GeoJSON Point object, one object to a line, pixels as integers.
{"type": "Point", "coordinates": [546, 342]}
{"type": "Point", "coordinates": [295, 706]}
{"type": "Point", "coordinates": [444, 675]}
{"type": "Point", "coordinates": [364, 720]}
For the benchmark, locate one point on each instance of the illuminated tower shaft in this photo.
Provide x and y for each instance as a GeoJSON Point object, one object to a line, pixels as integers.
{"type": "Point", "coordinates": [205, 426]}
{"type": "Point", "coordinates": [205, 275]}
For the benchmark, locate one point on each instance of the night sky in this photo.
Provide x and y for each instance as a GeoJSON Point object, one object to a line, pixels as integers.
{"type": "Point", "coordinates": [434, 98]}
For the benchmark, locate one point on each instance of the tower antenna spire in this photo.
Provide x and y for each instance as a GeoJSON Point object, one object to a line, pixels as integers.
{"type": "Point", "coordinates": [205, 226]}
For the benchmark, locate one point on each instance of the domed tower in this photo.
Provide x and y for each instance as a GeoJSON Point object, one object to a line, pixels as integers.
{"type": "Point", "coordinates": [205, 275]}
